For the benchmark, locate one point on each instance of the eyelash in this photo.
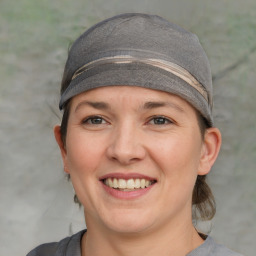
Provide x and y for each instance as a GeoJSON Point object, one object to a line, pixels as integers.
{"type": "Point", "coordinates": [162, 118]}
{"type": "Point", "coordinates": [90, 119]}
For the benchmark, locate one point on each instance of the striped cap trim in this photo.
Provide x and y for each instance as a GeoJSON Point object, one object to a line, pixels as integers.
{"type": "Point", "coordinates": [162, 64]}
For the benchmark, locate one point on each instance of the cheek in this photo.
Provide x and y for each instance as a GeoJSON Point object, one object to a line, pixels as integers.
{"type": "Point", "coordinates": [178, 156]}
{"type": "Point", "coordinates": [180, 149]}
{"type": "Point", "coordinates": [83, 152]}
{"type": "Point", "coordinates": [84, 156]}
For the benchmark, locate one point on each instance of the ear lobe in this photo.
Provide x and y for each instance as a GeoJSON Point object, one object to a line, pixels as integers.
{"type": "Point", "coordinates": [210, 150]}
{"type": "Point", "coordinates": [57, 134]}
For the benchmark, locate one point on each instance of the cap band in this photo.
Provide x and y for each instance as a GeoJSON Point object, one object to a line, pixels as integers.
{"type": "Point", "coordinates": [162, 64]}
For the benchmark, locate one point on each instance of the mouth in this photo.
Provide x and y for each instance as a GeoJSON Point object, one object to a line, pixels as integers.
{"type": "Point", "coordinates": [128, 185]}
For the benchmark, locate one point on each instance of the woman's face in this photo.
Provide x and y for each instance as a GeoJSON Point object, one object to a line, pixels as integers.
{"type": "Point", "coordinates": [133, 155]}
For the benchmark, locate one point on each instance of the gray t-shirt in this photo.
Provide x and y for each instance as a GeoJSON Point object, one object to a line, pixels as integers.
{"type": "Point", "coordinates": [70, 246]}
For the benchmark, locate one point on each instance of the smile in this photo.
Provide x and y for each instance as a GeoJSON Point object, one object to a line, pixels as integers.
{"type": "Point", "coordinates": [128, 185]}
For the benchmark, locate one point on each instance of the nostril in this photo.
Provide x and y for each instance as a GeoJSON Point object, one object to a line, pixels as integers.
{"type": "Point", "coordinates": [126, 155]}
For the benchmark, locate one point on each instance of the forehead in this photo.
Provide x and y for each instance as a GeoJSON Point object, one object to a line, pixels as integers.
{"type": "Point", "coordinates": [119, 99]}
{"type": "Point", "coordinates": [128, 95]}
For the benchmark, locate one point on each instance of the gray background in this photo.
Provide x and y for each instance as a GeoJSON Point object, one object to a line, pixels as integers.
{"type": "Point", "coordinates": [35, 198]}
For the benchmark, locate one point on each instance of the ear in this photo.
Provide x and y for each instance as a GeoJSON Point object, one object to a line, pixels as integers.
{"type": "Point", "coordinates": [210, 150]}
{"type": "Point", "coordinates": [57, 134]}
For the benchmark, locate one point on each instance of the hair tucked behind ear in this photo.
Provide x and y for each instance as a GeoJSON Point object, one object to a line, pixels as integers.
{"type": "Point", "coordinates": [203, 200]}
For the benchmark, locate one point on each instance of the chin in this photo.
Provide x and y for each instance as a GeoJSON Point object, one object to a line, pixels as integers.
{"type": "Point", "coordinates": [129, 222]}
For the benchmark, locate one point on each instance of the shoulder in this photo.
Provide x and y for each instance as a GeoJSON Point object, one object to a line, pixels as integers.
{"type": "Point", "coordinates": [211, 248]}
{"type": "Point", "coordinates": [67, 246]}
{"type": "Point", "coordinates": [221, 250]}
{"type": "Point", "coordinates": [48, 249]}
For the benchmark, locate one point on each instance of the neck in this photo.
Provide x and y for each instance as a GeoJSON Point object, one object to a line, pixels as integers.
{"type": "Point", "coordinates": [171, 239]}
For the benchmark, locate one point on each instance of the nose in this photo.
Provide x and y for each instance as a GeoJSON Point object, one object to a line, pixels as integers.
{"type": "Point", "coordinates": [126, 145]}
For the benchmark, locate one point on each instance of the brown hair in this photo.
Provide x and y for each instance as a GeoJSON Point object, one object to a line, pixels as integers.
{"type": "Point", "coordinates": [203, 202]}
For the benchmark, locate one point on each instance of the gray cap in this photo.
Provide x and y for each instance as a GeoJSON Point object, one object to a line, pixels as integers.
{"type": "Point", "coordinates": [140, 50]}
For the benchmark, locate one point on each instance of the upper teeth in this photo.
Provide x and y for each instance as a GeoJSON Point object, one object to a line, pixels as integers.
{"type": "Point", "coordinates": [127, 184]}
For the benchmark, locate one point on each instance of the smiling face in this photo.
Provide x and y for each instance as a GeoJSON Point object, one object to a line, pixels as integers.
{"type": "Point", "coordinates": [133, 155]}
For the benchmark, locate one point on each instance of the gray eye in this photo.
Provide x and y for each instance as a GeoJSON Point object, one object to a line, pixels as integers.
{"type": "Point", "coordinates": [94, 120]}
{"type": "Point", "coordinates": [160, 120]}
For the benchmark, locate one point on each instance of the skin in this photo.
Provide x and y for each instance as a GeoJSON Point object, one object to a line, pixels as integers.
{"type": "Point", "coordinates": [142, 131]}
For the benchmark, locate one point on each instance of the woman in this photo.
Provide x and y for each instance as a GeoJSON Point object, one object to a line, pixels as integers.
{"type": "Point", "coordinates": [137, 139]}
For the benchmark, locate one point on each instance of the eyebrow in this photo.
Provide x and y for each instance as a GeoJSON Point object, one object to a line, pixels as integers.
{"type": "Point", "coordinates": [97, 105]}
{"type": "Point", "coordinates": [147, 105]}
{"type": "Point", "coordinates": [159, 104]}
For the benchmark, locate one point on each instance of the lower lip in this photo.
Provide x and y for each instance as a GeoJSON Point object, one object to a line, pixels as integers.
{"type": "Point", "coordinates": [127, 194]}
